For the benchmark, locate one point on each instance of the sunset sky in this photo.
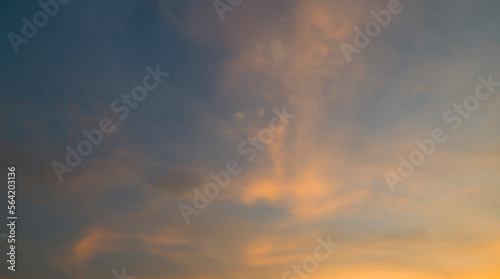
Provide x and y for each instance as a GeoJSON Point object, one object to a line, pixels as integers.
{"type": "Point", "coordinates": [231, 75]}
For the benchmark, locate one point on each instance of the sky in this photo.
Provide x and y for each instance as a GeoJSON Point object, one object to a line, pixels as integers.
{"type": "Point", "coordinates": [160, 139]}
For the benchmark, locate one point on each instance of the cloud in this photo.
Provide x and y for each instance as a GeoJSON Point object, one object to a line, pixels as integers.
{"type": "Point", "coordinates": [180, 180]}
